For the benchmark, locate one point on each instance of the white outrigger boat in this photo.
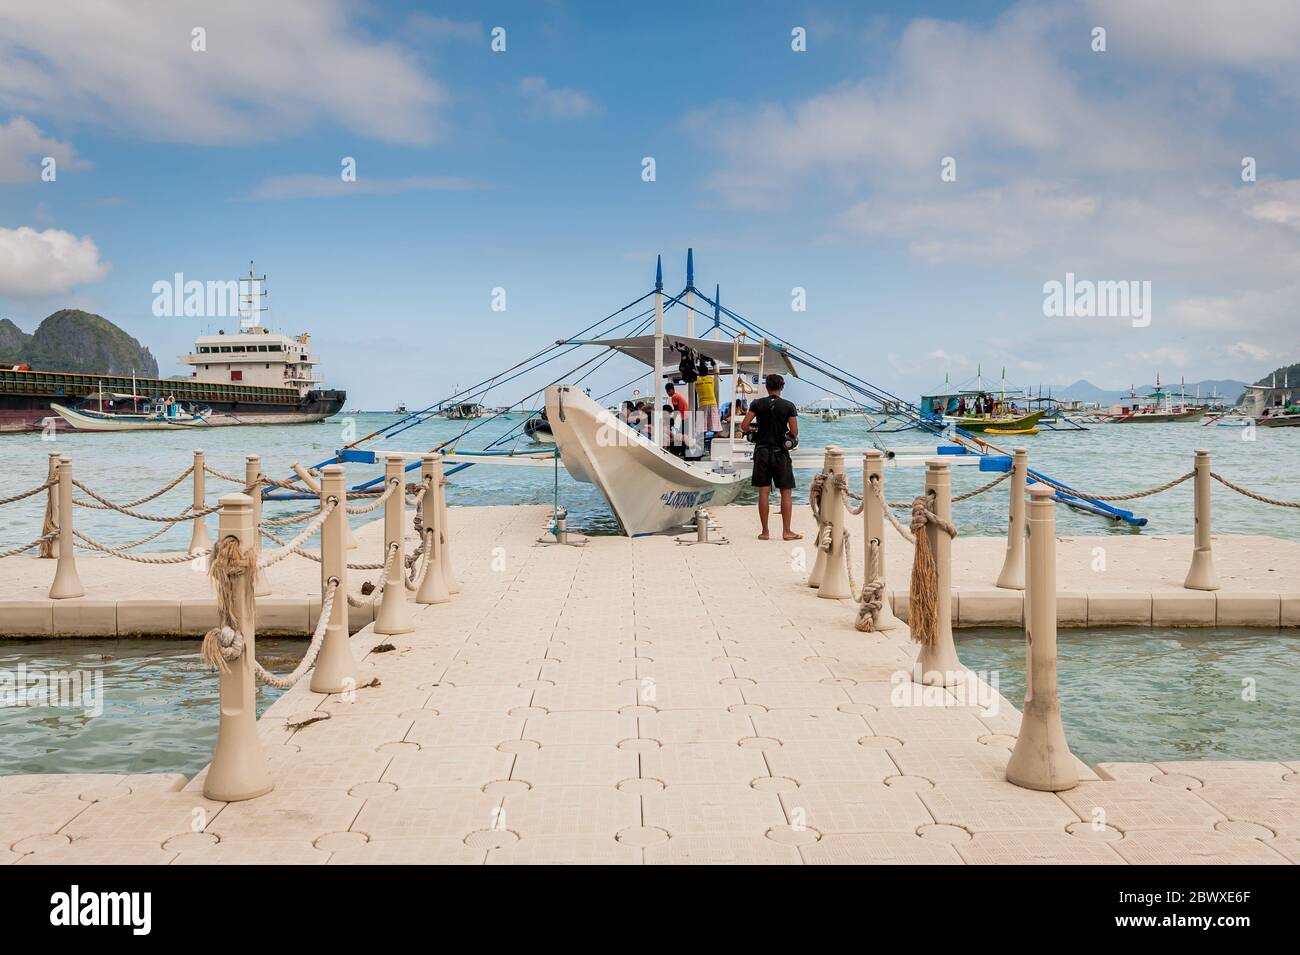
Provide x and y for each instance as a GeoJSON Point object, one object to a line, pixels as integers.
{"type": "Point", "coordinates": [143, 414]}
{"type": "Point", "coordinates": [654, 478]}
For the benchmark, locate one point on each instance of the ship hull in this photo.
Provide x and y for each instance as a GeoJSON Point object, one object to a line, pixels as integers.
{"type": "Point", "coordinates": [26, 399]}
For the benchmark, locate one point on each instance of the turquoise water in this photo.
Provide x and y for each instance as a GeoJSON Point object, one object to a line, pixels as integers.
{"type": "Point", "coordinates": [1107, 459]}
{"type": "Point", "coordinates": [142, 706]}
{"type": "Point", "coordinates": [1148, 695]}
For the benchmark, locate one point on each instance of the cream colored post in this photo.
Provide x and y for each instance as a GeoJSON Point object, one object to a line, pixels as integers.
{"type": "Point", "coordinates": [199, 536]}
{"type": "Point", "coordinates": [444, 528]}
{"type": "Point", "coordinates": [835, 575]}
{"type": "Point", "coordinates": [67, 582]}
{"type": "Point", "coordinates": [253, 480]}
{"type": "Point", "coordinates": [1013, 565]}
{"type": "Point", "coordinates": [937, 663]}
{"type": "Point", "coordinates": [239, 769]}
{"type": "Point", "coordinates": [433, 588]}
{"type": "Point", "coordinates": [335, 670]}
{"type": "Point", "coordinates": [1041, 759]}
{"type": "Point", "coordinates": [394, 611]}
{"type": "Point", "coordinates": [819, 555]}
{"type": "Point", "coordinates": [50, 549]}
{"type": "Point", "coordinates": [873, 529]}
{"type": "Point", "coordinates": [1201, 575]}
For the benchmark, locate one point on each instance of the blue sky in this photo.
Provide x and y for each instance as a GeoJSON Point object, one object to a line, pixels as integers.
{"type": "Point", "coordinates": [522, 170]}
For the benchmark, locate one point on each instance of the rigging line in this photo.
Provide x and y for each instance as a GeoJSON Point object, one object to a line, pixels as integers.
{"type": "Point", "coordinates": [611, 353]}
{"type": "Point", "coordinates": [417, 420]}
{"type": "Point", "coordinates": [755, 327]}
{"type": "Point", "coordinates": [537, 354]}
{"type": "Point", "coordinates": [518, 374]}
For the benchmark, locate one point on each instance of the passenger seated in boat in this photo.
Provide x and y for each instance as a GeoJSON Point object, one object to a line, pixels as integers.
{"type": "Point", "coordinates": [775, 424]}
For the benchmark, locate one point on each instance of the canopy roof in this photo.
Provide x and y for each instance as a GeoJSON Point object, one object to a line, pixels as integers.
{"type": "Point", "coordinates": [642, 348]}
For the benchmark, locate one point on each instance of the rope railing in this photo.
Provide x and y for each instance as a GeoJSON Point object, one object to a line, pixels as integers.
{"type": "Point", "coordinates": [36, 490]}
{"type": "Point", "coordinates": [189, 514]}
{"type": "Point", "coordinates": [1253, 495]}
{"type": "Point", "coordinates": [375, 589]}
{"type": "Point", "coordinates": [295, 546]}
{"type": "Point", "coordinates": [139, 558]}
{"type": "Point", "coordinates": [1158, 489]}
{"type": "Point", "coordinates": [378, 501]}
{"type": "Point", "coordinates": [14, 551]}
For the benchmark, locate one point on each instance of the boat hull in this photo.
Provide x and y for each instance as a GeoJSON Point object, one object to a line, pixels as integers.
{"type": "Point", "coordinates": [648, 489]}
{"type": "Point", "coordinates": [1159, 417]}
{"type": "Point", "coordinates": [1279, 421]}
{"type": "Point", "coordinates": [90, 421]}
{"type": "Point", "coordinates": [1021, 423]}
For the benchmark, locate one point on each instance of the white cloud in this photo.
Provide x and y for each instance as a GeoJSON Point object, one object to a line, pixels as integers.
{"type": "Point", "coordinates": [46, 263]}
{"type": "Point", "coordinates": [558, 102]}
{"type": "Point", "coordinates": [269, 70]}
{"type": "Point", "coordinates": [444, 28]}
{"type": "Point", "coordinates": [22, 148]}
{"type": "Point", "coordinates": [1250, 350]}
{"type": "Point", "coordinates": [1251, 35]}
{"type": "Point", "coordinates": [310, 186]}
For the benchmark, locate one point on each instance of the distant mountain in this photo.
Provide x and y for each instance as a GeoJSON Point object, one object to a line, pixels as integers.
{"type": "Point", "coordinates": [77, 341]}
{"type": "Point", "coordinates": [1283, 377]}
{"type": "Point", "coordinates": [1083, 390]}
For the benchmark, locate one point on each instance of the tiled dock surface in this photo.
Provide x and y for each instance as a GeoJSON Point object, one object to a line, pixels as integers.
{"type": "Point", "coordinates": [648, 702]}
{"type": "Point", "coordinates": [1103, 581]}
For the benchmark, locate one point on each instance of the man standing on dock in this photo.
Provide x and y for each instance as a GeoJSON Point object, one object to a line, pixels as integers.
{"type": "Point", "coordinates": [775, 424]}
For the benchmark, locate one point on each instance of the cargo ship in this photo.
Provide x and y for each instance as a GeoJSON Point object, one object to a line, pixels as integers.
{"type": "Point", "coordinates": [252, 376]}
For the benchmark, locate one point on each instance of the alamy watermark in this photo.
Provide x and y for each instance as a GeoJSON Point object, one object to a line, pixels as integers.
{"type": "Point", "coordinates": [67, 689]}
{"type": "Point", "coordinates": [1085, 298]}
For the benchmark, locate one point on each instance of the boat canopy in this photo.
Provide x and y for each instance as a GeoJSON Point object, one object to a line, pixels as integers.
{"type": "Point", "coordinates": [642, 348]}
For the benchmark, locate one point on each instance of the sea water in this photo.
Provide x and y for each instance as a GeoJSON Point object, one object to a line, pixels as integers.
{"type": "Point", "coordinates": [1106, 459]}
{"type": "Point", "coordinates": [1160, 694]}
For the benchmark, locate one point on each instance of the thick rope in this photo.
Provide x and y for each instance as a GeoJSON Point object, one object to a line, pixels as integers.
{"type": "Point", "coordinates": [106, 505]}
{"type": "Point", "coordinates": [842, 485]}
{"type": "Point", "coordinates": [233, 570]}
{"type": "Point", "coordinates": [923, 595]}
{"type": "Point", "coordinates": [293, 546]}
{"type": "Point", "coordinates": [292, 519]}
{"type": "Point", "coordinates": [980, 490]}
{"type": "Point", "coordinates": [377, 502]}
{"type": "Point", "coordinates": [1114, 497]}
{"type": "Point", "coordinates": [1253, 495]}
{"type": "Point", "coordinates": [139, 558]}
{"type": "Point", "coordinates": [415, 579]}
{"type": "Point", "coordinates": [36, 490]}
{"type": "Point", "coordinates": [379, 585]}
{"type": "Point", "coordinates": [28, 546]}
{"type": "Point", "coordinates": [903, 532]}
{"type": "Point", "coordinates": [49, 526]}
{"type": "Point", "coordinates": [871, 599]}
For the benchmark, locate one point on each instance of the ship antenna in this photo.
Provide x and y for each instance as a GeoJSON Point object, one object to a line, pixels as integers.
{"type": "Point", "coordinates": [250, 300]}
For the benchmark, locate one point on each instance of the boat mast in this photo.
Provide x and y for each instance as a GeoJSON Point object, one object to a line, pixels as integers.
{"type": "Point", "coordinates": [250, 302]}
{"type": "Point", "coordinates": [657, 415]}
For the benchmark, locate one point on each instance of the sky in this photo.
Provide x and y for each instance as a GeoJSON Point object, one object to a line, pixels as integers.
{"type": "Point", "coordinates": [920, 171]}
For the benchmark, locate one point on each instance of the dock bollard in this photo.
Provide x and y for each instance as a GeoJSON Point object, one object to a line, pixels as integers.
{"type": "Point", "coordinates": [199, 536]}
{"type": "Point", "coordinates": [433, 588]}
{"type": "Point", "coordinates": [1201, 575]}
{"type": "Point", "coordinates": [67, 582]}
{"type": "Point", "coordinates": [394, 612]}
{"type": "Point", "coordinates": [335, 670]}
{"type": "Point", "coordinates": [253, 481]}
{"type": "Point", "coordinates": [819, 555]}
{"type": "Point", "coordinates": [873, 529]}
{"type": "Point", "coordinates": [834, 584]}
{"type": "Point", "coordinates": [1041, 759]}
{"type": "Point", "coordinates": [937, 664]}
{"type": "Point", "coordinates": [444, 545]}
{"type": "Point", "coordinates": [239, 769]}
{"type": "Point", "coordinates": [1013, 565]}
{"type": "Point", "coordinates": [50, 548]}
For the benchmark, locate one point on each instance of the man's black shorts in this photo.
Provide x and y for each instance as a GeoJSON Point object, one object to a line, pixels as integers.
{"type": "Point", "coordinates": [772, 466]}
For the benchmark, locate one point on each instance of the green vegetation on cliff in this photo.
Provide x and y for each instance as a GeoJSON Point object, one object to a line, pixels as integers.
{"type": "Point", "coordinates": [77, 341]}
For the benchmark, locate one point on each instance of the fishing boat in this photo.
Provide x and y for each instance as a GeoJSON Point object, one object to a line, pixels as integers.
{"type": "Point", "coordinates": [1280, 417]}
{"type": "Point", "coordinates": [978, 405]}
{"type": "Point", "coordinates": [132, 412]}
{"type": "Point", "coordinates": [401, 408]}
{"type": "Point", "coordinates": [463, 411]}
{"type": "Point", "coordinates": [538, 429]}
{"type": "Point", "coordinates": [1158, 407]}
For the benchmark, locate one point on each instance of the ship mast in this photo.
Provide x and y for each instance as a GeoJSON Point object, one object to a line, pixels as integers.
{"type": "Point", "coordinates": [250, 300]}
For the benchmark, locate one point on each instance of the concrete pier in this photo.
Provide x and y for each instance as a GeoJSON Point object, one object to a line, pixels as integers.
{"type": "Point", "coordinates": [645, 702]}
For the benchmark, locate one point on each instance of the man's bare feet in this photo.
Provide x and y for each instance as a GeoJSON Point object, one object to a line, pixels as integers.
{"type": "Point", "coordinates": [792, 536]}
{"type": "Point", "coordinates": [763, 536]}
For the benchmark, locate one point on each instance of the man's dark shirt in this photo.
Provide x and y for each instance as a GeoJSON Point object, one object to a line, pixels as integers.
{"type": "Point", "coordinates": [771, 420]}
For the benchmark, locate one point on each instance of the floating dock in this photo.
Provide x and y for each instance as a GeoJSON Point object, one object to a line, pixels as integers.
{"type": "Point", "coordinates": [652, 701]}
